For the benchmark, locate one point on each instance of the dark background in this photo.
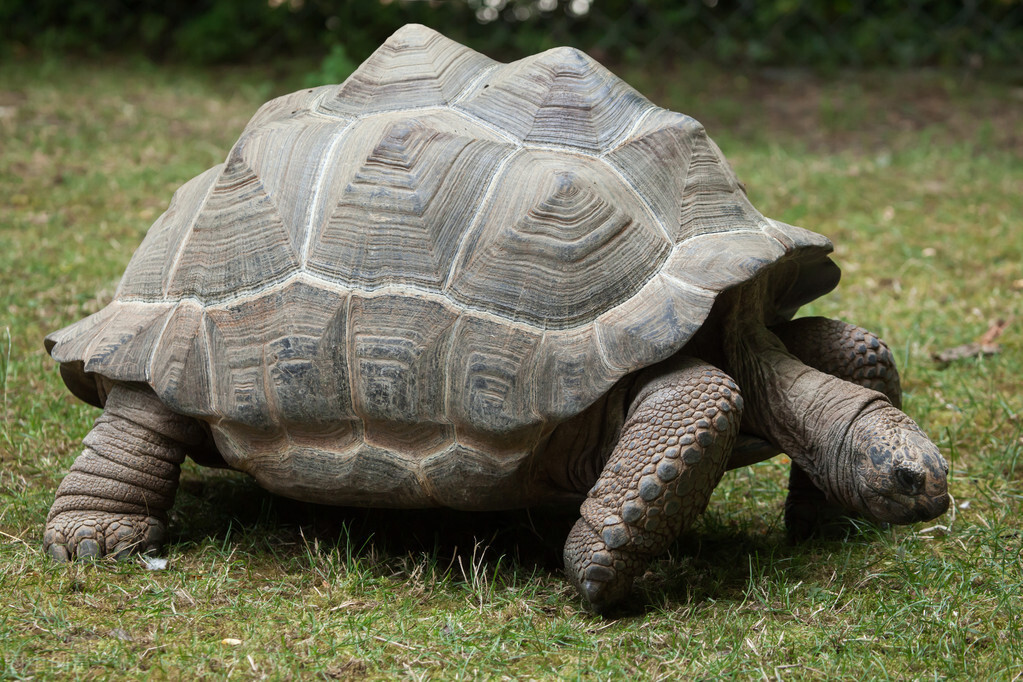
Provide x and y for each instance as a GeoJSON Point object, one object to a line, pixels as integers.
{"type": "Point", "coordinates": [970, 34]}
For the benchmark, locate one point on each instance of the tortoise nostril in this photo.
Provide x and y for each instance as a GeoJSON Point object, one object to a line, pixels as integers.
{"type": "Point", "coordinates": [910, 478]}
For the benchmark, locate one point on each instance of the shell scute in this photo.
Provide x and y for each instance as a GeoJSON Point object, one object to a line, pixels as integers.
{"type": "Point", "coordinates": [575, 371]}
{"type": "Point", "coordinates": [700, 263]}
{"type": "Point", "coordinates": [464, 477]}
{"type": "Point", "coordinates": [398, 350]}
{"type": "Point", "coordinates": [650, 325]}
{"type": "Point", "coordinates": [181, 367]}
{"type": "Point", "coordinates": [287, 107]}
{"type": "Point", "coordinates": [547, 224]}
{"type": "Point", "coordinates": [279, 155]}
{"type": "Point", "coordinates": [657, 158]}
{"type": "Point", "coordinates": [317, 471]}
{"type": "Point", "coordinates": [712, 199]}
{"type": "Point", "coordinates": [124, 341]}
{"type": "Point", "coordinates": [280, 358]}
{"type": "Point", "coordinates": [489, 383]}
{"type": "Point", "coordinates": [149, 270]}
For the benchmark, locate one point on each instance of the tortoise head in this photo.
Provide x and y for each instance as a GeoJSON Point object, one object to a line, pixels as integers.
{"type": "Point", "coordinates": [890, 470]}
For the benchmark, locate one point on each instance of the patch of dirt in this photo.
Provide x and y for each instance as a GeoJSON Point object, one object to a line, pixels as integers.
{"type": "Point", "coordinates": [861, 109]}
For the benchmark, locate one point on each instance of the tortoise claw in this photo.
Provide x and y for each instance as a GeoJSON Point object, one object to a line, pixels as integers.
{"type": "Point", "coordinates": [92, 535]}
{"type": "Point", "coordinates": [57, 550]}
{"type": "Point", "coordinates": [88, 548]}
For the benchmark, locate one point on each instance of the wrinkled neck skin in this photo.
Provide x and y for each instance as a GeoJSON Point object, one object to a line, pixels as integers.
{"type": "Point", "coordinates": [807, 414]}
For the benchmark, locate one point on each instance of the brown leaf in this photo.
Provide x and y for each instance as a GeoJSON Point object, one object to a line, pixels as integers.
{"type": "Point", "coordinates": [993, 332]}
{"type": "Point", "coordinates": [967, 350]}
{"type": "Point", "coordinates": [985, 345]}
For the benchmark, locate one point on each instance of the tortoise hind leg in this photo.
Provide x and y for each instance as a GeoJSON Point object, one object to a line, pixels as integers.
{"type": "Point", "coordinates": [115, 498]}
{"type": "Point", "coordinates": [657, 481]}
{"type": "Point", "coordinates": [848, 352]}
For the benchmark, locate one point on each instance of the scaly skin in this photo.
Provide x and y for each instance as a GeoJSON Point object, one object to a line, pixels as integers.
{"type": "Point", "coordinates": [848, 352]}
{"type": "Point", "coordinates": [114, 501]}
{"type": "Point", "coordinates": [670, 456]}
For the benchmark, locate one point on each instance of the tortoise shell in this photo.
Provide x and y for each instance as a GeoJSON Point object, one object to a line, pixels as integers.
{"type": "Point", "coordinates": [401, 284]}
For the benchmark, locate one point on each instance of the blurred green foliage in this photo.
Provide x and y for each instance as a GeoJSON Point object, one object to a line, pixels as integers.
{"type": "Point", "coordinates": [769, 32]}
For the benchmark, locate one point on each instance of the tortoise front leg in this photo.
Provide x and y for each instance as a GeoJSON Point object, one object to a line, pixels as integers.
{"type": "Point", "coordinates": [116, 496]}
{"type": "Point", "coordinates": [669, 457]}
{"type": "Point", "coordinates": [848, 352]}
{"type": "Point", "coordinates": [845, 351]}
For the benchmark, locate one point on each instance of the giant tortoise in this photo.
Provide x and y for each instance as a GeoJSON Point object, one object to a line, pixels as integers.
{"type": "Point", "coordinates": [452, 282]}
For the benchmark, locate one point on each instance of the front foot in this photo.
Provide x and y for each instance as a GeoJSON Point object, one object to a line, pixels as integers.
{"type": "Point", "coordinates": [602, 575]}
{"type": "Point", "coordinates": [670, 454]}
{"type": "Point", "coordinates": [74, 535]}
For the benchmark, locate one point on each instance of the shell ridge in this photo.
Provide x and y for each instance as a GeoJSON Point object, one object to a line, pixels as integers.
{"type": "Point", "coordinates": [391, 289]}
{"type": "Point", "coordinates": [740, 231]}
{"type": "Point", "coordinates": [157, 342]}
{"type": "Point", "coordinates": [627, 135]}
{"type": "Point", "coordinates": [314, 203]}
{"type": "Point", "coordinates": [350, 368]}
{"type": "Point", "coordinates": [447, 396]}
{"type": "Point", "coordinates": [269, 394]}
{"type": "Point", "coordinates": [313, 279]}
{"type": "Point", "coordinates": [599, 342]}
{"type": "Point", "coordinates": [206, 344]}
{"type": "Point", "coordinates": [686, 285]}
{"type": "Point", "coordinates": [644, 202]}
{"type": "Point", "coordinates": [472, 84]}
{"type": "Point", "coordinates": [474, 226]}
{"type": "Point", "coordinates": [764, 229]}
{"type": "Point", "coordinates": [189, 231]}
{"type": "Point", "coordinates": [286, 224]}
{"type": "Point", "coordinates": [488, 125]}
{"type": "Point", "coordinates": [98, 333]}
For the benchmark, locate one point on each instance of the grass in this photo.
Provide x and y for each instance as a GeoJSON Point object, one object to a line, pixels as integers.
{"type": "Point", "coordinates": [918, 178]}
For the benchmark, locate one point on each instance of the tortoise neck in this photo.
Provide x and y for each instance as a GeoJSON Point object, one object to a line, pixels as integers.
{"type": "Point", "coordinates": [805, 413]}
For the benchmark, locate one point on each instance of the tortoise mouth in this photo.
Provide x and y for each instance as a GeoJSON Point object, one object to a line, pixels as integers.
{"type": "Point", "coordinates": [906, 491]}
{"type": "Point", "coordinates": [901, 508]}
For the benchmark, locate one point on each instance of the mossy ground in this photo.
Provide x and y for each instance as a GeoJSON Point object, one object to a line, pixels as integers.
{"type": "Point", "coordinates": [917, 177]}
